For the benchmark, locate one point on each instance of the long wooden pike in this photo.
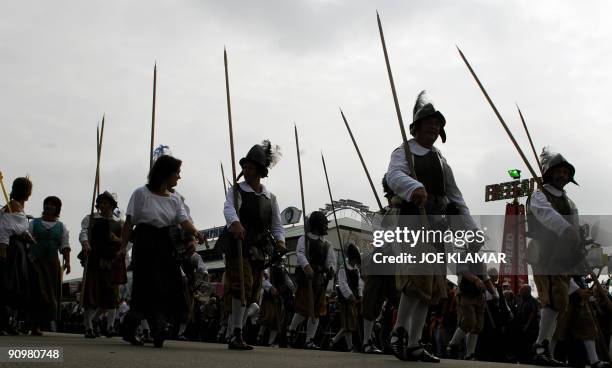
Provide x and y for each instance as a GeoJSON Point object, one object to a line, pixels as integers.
{"type": "Point", "coordinates": [6, 197]}
{"type": "Point", "coordinates": [311, 309]}
{"type": "Point", "coordinates": [501, 120]}
{"type": "Point", "coordinates": [535, 154]}
{"type": "Point", "coordinates": [234, 180]}
{"type": "Point", "coordinates": [98, 157]}
{"type": "Point", "coordinates": [407, 152]}
{"type": "Point", "coordinates": [223, 180]}
{"type": "Point", "coordinates": [331, 199]}
{"type": "Point", "coordinates": [365, 168]}
{"type": "Point", "coordinates": [93, 203]}
{"type": "Point", "coordinates": [153, 116]}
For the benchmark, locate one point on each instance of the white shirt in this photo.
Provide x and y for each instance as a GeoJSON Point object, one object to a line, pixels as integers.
{"type": "Point", "coordinates": [402, 184]}
{"type": "Point", "coordinates": [343, 283]}
{"type": "Point", "coordinates": [543, 211]}
{"type": "Point", "coordinates": [14, 223]}
{"type": "Point", "coordinates": [231, 216]}
{"type": "Point", "coordinates": [146, 207]}
{"type": "Point", "coordinates": [300, 252]}
{"type": "Point", "coordinates": [48, 225]}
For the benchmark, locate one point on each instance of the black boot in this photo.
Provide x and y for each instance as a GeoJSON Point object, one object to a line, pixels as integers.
{"type": "Point", "coordinates": [129, 330]}
{"type": "Point", "coordinates": [89, 334]}
{"type": "Point", "coordinates": [236, 341]}
{"type": "Point", "coordinates": [420, 354]}
{"type": "Point", "coordinates": [399, 343]}
{"type": "Point", "coordinates": [544, 358]}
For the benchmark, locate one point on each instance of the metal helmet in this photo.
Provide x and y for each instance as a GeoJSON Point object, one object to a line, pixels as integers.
{"type": "Point", "coordinates": [549, 160]}
{"type": "Point", "coordinates": [422, 109]}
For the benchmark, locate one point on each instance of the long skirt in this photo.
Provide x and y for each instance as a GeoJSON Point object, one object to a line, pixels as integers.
{"type": "Point", "coordinates": [157, 286]}
{"type": "Point", "coordinates": [45, 276]}
{"type": "Point", "coordinates": [14, 276]}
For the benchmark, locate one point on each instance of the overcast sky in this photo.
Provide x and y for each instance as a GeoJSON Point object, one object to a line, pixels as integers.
{"type": "Point", "coordinates": [65, 63]}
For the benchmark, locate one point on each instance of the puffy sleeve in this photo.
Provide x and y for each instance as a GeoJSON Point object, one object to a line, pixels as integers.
{"type": "Point", "coordinates": [84, 235]}
{"type": "Point", "coordinates": [135, 205]}
{"type": "Point", "coordinates": [277, 226]}
{"type": "Point", "coordinates": [343, 283]}
{"type": "Point", "coordinates": [228, 208]}
{"type": "Point", "coordinates": [331, 260]}
{"type": "Point", "coordinates": [544, 212]}
{"type": "Point", "coordinates": [182, 213]}
{"type": "Point", "coordinates": [398, 175]}
{"type": "Point", "coordinates": [65, 238]}
{"type": "Point", "coordinates": [300, 252]}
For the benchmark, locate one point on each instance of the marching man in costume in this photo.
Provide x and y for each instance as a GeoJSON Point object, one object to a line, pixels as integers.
{"type": "Point", "coordinates": [258, 217]}
{"type": "Point", "coordinates": [555, 251]}
{"type": "Point", "coordinates": [474, 280]}
{"type": "Point", "coordinates": [317, 261]}
{"type": "Point", "coordinates": [100, 238]}
{"type": "Point", "coordinates": [435, 190]}
{"type": "Point", "coordinates": [379, 284]}
{"type": "Point", "coordinates": [351, 290]}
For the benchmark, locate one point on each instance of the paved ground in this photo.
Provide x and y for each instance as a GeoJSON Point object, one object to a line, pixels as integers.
{"type": "Point", "coordinates": [114, 353]}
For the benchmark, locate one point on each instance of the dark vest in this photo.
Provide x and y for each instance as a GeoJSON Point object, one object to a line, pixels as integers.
{"type": "Point", "coordinates": [539, 231]}
{"type": "Point", "coordinates": [48, 241]}
{"type": "Point", "coordinates": [255, 215]}
{"type": "Point", "coordinates": [317, 254]}
{"type": "Point", "coordinates": [555, 254]}
{"type": "Point", "coordinates": [100, 240]}
{"type": "Point", "coordinates": [429, 172]}
{"type": "Point", "coordinates": [352, 278]}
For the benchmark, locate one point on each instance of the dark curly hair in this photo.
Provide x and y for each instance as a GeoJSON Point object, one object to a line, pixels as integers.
{"type": "Point", "coordinates": [161, 170]}
{"type": "Point", "coordinates": [22, 189]}
{"type": "Point", "coordinates": [56, 202]}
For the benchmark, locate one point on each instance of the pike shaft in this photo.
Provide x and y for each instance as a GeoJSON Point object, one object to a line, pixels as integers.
{"type": "Point", "coordinates": [234, 186]}
{"type": "Point", "coordinates": [407, 152]}
{"type": "Point", "coordinates": [331, 199]}
{"type": "Point", "coordinates": [153, 116]}
{"type": "Point", "coordinates": [223, 180]}
{"type": "Point", "coordinates": [365, 168]}
{"type": "Point", "coordinates": [310, 291]}
{"type": "Point", "coordinates": [501, 120]}
{"type": "Point", "coordinates": [535, 154]}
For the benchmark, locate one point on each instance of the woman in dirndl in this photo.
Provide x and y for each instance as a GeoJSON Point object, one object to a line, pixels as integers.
{"type": "Point", "coordinates": [45, 273]}
{"type": "Point", "coordinates": [152, 212]}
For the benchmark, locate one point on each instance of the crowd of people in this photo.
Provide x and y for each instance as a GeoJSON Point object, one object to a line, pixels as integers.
{"type": "Point", "coordinates": [329, 302]}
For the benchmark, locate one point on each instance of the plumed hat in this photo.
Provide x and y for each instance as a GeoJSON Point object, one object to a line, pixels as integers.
{"type": "Point", "coordinates": [423, 108]}
{"type": "Point", "coordinates": [264, 155]}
